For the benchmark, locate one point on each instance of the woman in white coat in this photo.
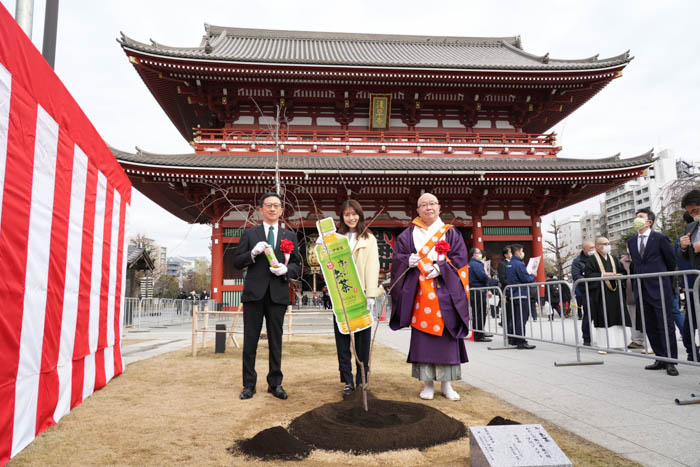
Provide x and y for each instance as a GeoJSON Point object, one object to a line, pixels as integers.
{"type": "Point", "coordinates": [366, 256]}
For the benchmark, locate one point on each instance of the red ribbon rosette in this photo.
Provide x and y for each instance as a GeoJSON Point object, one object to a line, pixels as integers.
{"type": "Point", "coordinates": [442, 247]}
{"type": "Point", "coordinates": [286, 247]}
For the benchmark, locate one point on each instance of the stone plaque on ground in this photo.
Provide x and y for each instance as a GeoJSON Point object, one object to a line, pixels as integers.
{"type": "Point", "coordinates": [514, 445]}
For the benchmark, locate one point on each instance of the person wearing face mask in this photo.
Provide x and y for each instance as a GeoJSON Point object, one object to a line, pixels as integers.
{"type": "Point", "coordinates": [651, 252]}
{"type": "Point", "coordinates": [479, 298]}
{"type": "Point", "coordinates": [366, 256]}
{"type": "Point", "coordinates": [517, 274]}
{"type": "Point", "coordinates": [577, 272]}
{"type": "Point", "coordinates": [690, 251]}
{"type": "Point", "coordinates": [608, 308]}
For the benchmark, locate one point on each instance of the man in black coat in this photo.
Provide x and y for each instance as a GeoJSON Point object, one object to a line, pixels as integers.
{"type": "Point", "coordinates": [651, 252]}
{"type": "Point", "coordinates": [578, 267]}
{"type": "Point", "coordinates": [690, 251]}
{"type": "Point", "coordinates": [265, 292]}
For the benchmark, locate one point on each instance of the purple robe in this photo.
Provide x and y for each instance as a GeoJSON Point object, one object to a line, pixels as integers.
{"type": "Point", "coordinates": [449, 348]}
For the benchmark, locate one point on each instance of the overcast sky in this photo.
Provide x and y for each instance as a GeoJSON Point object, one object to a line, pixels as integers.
{"type": "Point", "coordinates": [654, 105]}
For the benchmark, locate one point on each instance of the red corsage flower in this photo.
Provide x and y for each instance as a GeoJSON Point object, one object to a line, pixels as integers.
{"type": "Point", "coordinates": [442, 247]}
{"type": "Point", "coordinates": [286, 246]}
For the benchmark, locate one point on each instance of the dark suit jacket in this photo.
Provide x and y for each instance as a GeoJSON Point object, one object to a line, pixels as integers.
{"type": "Point", "coordinates": [689, 253]}
{"type": "Point", "coordinates": [502, 278]}
{"type": "Point", "coordinates": [658, 257]}
{"type": "Point", "coordinates": [259, 277]}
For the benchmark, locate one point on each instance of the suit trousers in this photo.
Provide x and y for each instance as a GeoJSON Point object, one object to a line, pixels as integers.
{"type": "Point", "coordinates": [661, 333]}
{"type": "Point", "coordinates": [478, 312]}
{"type": "Point", "coordinates": [518, 319]}
{"type": "Point", "coordinates": [253, 314]}
{"type": "Point", "coordinates": [363, 339]}
{"type": "Point", "coordinates": [582, 302]}
{"type": "Point", "coordinates": [689, 329]}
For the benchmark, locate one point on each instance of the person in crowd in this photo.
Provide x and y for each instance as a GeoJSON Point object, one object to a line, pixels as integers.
{"type": "Point", "coordinates": [535, 302]}
{"type": "Point", "coordinates": [366, 256]}
{"type": "Point", "coordinates": [607, 298]}
{"type": "Point", "coordinates": [651, 252]}
{"type": "Point", "coordinates": [517, 274]}
{"type": "Point", "coordinates": [479, 298]}
{"type": "Point", "coordinates": [428, 293]}
{"type": "Point", "coordinates": [685, 286]}
{"type": "Point", "coordinates": [578, 265]}
{"type": "Point", "coordinates": [690, 251]}
{"type": "Point", "coordinates": [265, 292]}
{"type": "Point", "coordinates": [494, 301]}
{"type": "Point", "coordinates": [553, 295]}
{"type": "Point", "coordinates": [326, 299]}
{"type": "Point", "coordinates": [503, 278]}
{"type": "Point", "coordinates": [637, 338]}
{"type": "Point", "coordinates": [566, 296]}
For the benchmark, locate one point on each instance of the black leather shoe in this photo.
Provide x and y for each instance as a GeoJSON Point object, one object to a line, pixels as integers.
{"type": "Point", "coordinates": [482, 339]}
{"type": "Point", "coordinates": [247, 393]}
{"type": "Point", "coordinates": [348, 390]}
{"type": "Point", "coordinates": [657, 365]}
{"type": "Point", "coordinates": [526, 346]}
{"type": "Point", "coordinates": [671, 369]}
{"type": "Point", "coordinates": [486, 334]}
{"type": "Point", "coordinates": [277, 391]}
{"type": "Point", "coordinates": [587, 343]}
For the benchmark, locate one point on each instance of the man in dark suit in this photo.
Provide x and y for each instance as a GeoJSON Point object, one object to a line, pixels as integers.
{"type": "Point", "coordinates": [503, 279]}
{"type": "Point", "coordinates": [479, 298]}
{"type": "Point", "coordinates": [578, 266]}
{"type": "Point", "coordinates": [265, 292]}
{"type": "Point", "coordinates": [517, 274]}
{"type": "Point", "coordinates": [690, 251]}
{"type": "Point", "coordinates": [651, 252]}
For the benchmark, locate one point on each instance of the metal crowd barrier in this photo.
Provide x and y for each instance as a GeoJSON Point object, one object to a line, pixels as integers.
{"type": "Point", "coordinates": [297, 322]}
{"type": "Point", "coordinates": [568, 332]}
{"type": "Point", "coordinates": [148, 313]}
{"type": "Point", "coordinates": [689, 287]}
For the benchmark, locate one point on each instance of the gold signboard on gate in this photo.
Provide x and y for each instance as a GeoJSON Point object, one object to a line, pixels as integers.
{"type": "Point", "coordinates": [379, 111]}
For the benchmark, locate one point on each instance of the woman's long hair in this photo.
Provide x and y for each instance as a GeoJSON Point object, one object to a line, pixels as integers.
{"type": "Point", "coordinates": [355, 206]}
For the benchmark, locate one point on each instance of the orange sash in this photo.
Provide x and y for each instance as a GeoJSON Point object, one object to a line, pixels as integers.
{"type": "Point", "coordinates": [427, 316]}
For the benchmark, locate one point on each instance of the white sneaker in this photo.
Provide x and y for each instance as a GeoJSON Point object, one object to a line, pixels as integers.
{"type": "Point", "coordinates": [427, 393]}
{"type": "Point", "coordinates": [449, 393]}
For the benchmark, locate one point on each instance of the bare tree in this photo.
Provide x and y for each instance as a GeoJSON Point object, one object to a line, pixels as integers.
{"type": "Point", "coordinates": [555, 248]}
{"type": "Point", "coordinates": [670, 216]}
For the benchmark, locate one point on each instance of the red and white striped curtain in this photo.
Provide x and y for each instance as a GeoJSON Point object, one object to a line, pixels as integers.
{"type": "Point", "coordinates": [64, 206]}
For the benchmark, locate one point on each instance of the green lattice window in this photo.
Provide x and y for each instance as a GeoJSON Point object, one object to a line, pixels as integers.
{"type": "Point", "coordinates": [231, 298]}
{"type": "Point", "coordinates": [231, 232]}
{"type": "Point", "coordinates": [519, 230]}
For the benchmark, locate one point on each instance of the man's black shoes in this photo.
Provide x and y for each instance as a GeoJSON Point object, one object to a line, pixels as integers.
{"type": "Point", "coordinates": [348, 390]}
{"type": "Point", "coordinates": [277, 391]}
{"type": "Point", "coordinates": [482, 339]}
{"type": "Point", "coordinates": [657, 365]}
{"type": "Point", "coordinates": [525, 346]}
{"type": "Point", "coordinates": [671, 369]}
{"type": "Point", "coordinates": [247, 393]}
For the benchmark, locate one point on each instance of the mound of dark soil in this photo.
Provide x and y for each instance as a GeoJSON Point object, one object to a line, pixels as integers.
{"type": "Point", "coordinates": [498, 420]}
{"type": "Point", "coordinates": [388, 425]}
{"type": "Point", "coordinates": [274, 444]}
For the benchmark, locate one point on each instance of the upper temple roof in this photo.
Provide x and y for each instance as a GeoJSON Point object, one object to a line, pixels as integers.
{"type": "Point", "coordinates": [367, 50]}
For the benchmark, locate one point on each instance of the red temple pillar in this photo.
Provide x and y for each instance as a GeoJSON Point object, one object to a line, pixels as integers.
{"type": "Point", "coordinates": [536, 246]}
{"type": "Point", "coordinates": [477, 233]}
{"type": "Point", "coordinates": [217, 262]}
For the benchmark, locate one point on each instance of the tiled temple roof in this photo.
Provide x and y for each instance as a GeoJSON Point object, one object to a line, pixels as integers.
{"type": "Point", "coordinates": [368, 50]}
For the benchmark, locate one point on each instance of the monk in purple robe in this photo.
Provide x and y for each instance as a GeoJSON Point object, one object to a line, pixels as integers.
{"type": "Point", "coordinates": [428, 260]}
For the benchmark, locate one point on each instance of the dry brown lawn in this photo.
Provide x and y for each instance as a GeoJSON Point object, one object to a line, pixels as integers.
{"type": "Point", "coordinates": [176, 409]}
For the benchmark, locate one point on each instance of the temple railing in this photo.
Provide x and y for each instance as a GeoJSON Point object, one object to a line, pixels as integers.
{"type": "Point", "coordinates": [329, 142]}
